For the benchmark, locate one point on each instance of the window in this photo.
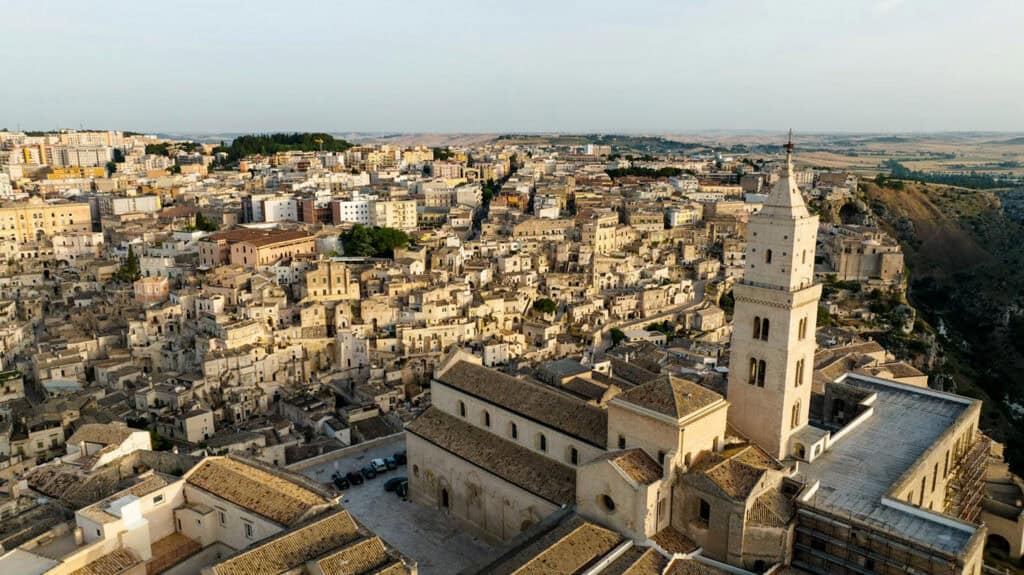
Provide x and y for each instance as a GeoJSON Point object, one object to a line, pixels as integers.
{"type": "Point", "coordinates": [222, 517]}
{"type": "Point", "coordinates": [945, 466]}
{"type": "Point", "coordinates": [799, 379]}
{"type": "Point", "coordinates": [98, 533]}
{"type": "Point", "coordinates": [764, 329]}
{"type": "Point", "coordinates": [513, 430]}
{"type": "Point", "coordinates": [768, 257]}
{"type": "Point", "coordinates": [248, 530]}
{"type": "Point", "coordinates": [158, 499]}
{"type": "Point", "coordinates": [935, 475]}
{"type": "Point", "coordinates": [757, 327]}
{"type": "Point", "coordinates": [794, 419]}
{"type": "Point", "coordinates": [920, 496]}
{"type": "Point", "coordinates": [608, 503]}
{"type": "Point", "coordinates": [542, 442]}
{"type": "Point", "coordinates": [803, 258]}
{"type": "Point", "coordinates": [801, 331]}
{"type": "Point", "coordinates": [462, 409]}
{"type": "Point", "coordinates": [704, 512]}
{"type": "Point", "coordinates": [661, 457]}
{"type": "Point", "coordinates": [574, 456]}
{"type": "Point", "coordinates": [622, 441]}
{"type": "Point", "coordinates": [753, 372]}
{"type": "Point", "coordinates": [761, 368]}
{"type": "Point", "coordinates": [487, 419]}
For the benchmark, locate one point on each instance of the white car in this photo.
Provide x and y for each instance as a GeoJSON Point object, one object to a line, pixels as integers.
{"type": "Point", "coordinates": [378, 465]}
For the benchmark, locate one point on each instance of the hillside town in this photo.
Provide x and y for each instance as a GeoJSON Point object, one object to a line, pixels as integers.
{"type": "Point", "coordinates": [295, 354]}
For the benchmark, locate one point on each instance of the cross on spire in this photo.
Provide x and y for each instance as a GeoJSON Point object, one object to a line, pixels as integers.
{"type": "Point", "coordinates": [789, 144]}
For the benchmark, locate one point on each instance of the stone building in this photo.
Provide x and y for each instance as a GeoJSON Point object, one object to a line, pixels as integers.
{"type": "Point", "coordinates": [880, 476]}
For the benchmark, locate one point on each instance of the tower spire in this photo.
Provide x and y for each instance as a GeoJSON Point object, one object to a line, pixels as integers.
{"type": "Point", "coordinates": [789, 151]}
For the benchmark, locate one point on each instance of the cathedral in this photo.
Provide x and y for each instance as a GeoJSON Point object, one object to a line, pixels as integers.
{"type": "Point", "coordinates": [785, 474]}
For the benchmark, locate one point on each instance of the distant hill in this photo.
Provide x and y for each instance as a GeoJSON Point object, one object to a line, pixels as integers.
{"type": "Point", "coordinates": [966, 265]}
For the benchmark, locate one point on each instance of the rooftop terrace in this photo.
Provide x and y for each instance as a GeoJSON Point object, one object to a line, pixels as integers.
{"type": "Point", "coordinates": [906, 422]}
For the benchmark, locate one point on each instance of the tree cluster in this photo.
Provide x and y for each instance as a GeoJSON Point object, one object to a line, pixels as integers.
{"type": "Point", "coordinates": [970, 180]}
{"type": "Point", "coordinates": [363, 241]}
{"type": "Point", "coordinates": [544, 305]}
{"type": "Point", "coordinates": [268, 144]}
{"type": "Point", "coordinates": [667, 172]}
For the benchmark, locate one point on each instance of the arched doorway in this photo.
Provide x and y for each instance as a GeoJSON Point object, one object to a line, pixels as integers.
{"type": "Point", "coordinates": [444, 498]}
{"type": "Point", "coordinates": [998, 546]}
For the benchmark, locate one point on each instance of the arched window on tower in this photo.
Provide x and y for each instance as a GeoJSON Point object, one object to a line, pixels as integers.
{"type": "Point", "coordinates": [803, 258]}
{"type": "Point", "coordinates": [761, 368]}
{"type": "Point", "coordinates": [753, 372]}
{"type": "Point", "coordinates": [794, 419]}
{"type": "Point", "coordinates": [764, 329]}
{"type": "Point", "coordinates": [757, 327]}
{"type": "Point", "coordinates": [799, 378]}
{"type": "Point", "coordinates": [801, 330]}
{"type": "Point", "coordinates": [768, 257]}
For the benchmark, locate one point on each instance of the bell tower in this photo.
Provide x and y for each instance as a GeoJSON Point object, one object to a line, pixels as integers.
{"type": "Point", "coordinates": [772, 355]}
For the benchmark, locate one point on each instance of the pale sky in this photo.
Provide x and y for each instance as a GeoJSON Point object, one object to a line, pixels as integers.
{"type": "Point", "coordinates": [513, 65]}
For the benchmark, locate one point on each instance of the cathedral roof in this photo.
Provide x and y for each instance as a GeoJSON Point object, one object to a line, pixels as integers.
{"type": "Point", "coordinates": [556, 410]}
{"type": "Point", "coordinates": [506, 459]}
{"type": "Point", "coordinates": [671, 396]}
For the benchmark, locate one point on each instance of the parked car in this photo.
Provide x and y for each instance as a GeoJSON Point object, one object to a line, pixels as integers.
{"type": "Point", "coordinates": [400, 457]}
{"type": "Point", "coordinates": [403, 489]}
{"type": "Point", "coordinates": [369, 472]}
{"type": "Point", "coordinates": [354, 477]}
{"type": "Point", "coordinates": [378, 465]}
{"type": "Point", "coordinates": [341, 483]}
{"type": "Point", "coordinates": [391, 463]}
{"type": "Point", "coordinates": [393, 483]}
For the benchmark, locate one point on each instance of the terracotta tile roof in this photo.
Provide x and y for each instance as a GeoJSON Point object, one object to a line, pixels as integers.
{"type": "Point", "coordinates": [293, 548]}
{"type": "Point", "coordinates": [147, 484]}
{"type": "Point", "coordinates": [360, 557]}
{"type": "Point", "coordinates": [671, 396]}
{"type": "Point", "coordinates": [631, 373]}
{"type": "Point", "coordinates": [110, 564]}
{"type": "Point", "coordinates": [637, 561]}
{"type": "Point", "coordinates": [734, 476]}
{"type": "Point", "coordinates": [258, 237]}
{"type": "Point", "coordinates": [506, 459]}
{"type": "Point", "coordinates": [102, 433]}
{"type": "Point", "coordinates": [270, 495]}
{"type": "Point", "coordinates": [567, 549]}
{"type": "Point", "coordinates": [547, 406]}
{"type": "Point", "coordinates": [673, 541]}
{"type": "Point", "coordinates": [772, 509]}
{"type": "Point", "coordinates": [636, 464]}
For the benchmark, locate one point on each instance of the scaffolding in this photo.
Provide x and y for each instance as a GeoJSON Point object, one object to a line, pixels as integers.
{"type": "Point", "coordinates": [828, 543]}
{"type": "Point", "coordinates": [966, 488]}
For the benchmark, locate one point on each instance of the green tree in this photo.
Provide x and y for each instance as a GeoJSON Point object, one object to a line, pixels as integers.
{"type": "Point", "coordinates": [362, 241]}
{"type": "Point", "coordinates": [617, 335]}
{"type": "Point", "coordinates": [129, 271]}
{"type": "Point", "coordinates": [111, 168]}
{"type": "Point", "coordinates": [545, 305]}
{"type": "Point", "coordinates": [824, 318]}
{"type": "Point", "coordinates": [268, 144]}
{"type": "Point", "coordinates": [205, 224]}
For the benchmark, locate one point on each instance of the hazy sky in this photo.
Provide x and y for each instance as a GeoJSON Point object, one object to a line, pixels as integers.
{"type": "Point", "coordinates": [513, 65]}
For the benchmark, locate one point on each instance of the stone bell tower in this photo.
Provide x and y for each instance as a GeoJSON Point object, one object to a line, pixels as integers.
{"type": "Point", "coordinates": [772, 356]}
